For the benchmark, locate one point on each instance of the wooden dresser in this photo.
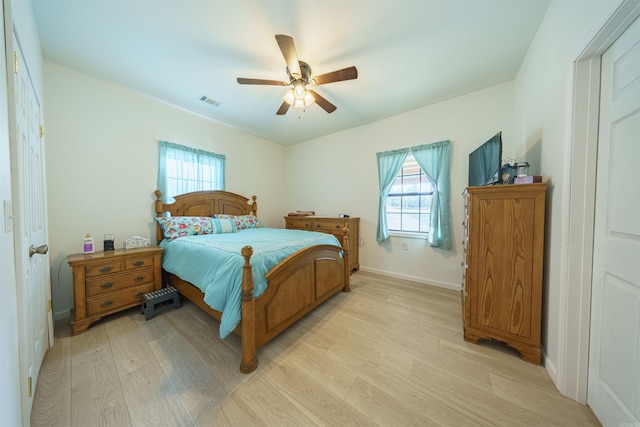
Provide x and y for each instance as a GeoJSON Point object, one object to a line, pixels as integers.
{"type": "Point", "coordinates": [108, 282]}
{"type": "Point", "coordinates": [332, 225]}
{"type": "Point", "coordinates": [502, 278]}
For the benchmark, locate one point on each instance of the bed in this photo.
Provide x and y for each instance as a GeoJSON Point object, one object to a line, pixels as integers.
{"type": "Point", "coordinates": [296, 285]}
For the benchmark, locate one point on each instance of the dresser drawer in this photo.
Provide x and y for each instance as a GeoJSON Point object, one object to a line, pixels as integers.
{"type": "Point", "coordinates": [107, 267]}
{"type": "Point", "coordinates": [114, 300]}
{"type": "Point", "coordinates": [101, 284]}
{"type": "Point", "coordinates": [299, 224]}
{"type": "Point", "coordinates": [332, 226]}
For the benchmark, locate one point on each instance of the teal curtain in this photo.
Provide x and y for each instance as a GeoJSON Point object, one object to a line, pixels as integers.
{"type": "Point", "coordinates": [435, 160]}
{"type": "Point", "coordinates": [389, 164]}
{"type": "Point", "coordinates": [184, 169]}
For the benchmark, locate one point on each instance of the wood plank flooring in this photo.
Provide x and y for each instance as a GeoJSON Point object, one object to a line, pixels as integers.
{"type": "Point", "coordinates": [390, 353]}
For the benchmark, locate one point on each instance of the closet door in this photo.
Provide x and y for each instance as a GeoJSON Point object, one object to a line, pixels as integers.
{"type": "Point", "coordinates": [30, 228]}
{"type": "Point", "coordinates": [614, 359]}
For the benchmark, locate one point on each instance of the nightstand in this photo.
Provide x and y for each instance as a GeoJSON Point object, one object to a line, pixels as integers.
{"type": "Point", "coordinates": [108, 282]}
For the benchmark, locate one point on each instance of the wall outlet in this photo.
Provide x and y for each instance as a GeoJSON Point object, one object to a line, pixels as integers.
{"type": "Point", "coordinates": [405, 246]}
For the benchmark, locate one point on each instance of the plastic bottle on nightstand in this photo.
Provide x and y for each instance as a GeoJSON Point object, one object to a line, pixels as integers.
{"type": "Point", "coordinates": [87, 246]}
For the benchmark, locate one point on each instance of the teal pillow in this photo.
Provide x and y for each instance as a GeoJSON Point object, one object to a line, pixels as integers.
{"type": "Point", "coordinates": [223, 225]}
{"type": "Point", "coordinates": [242, 221]}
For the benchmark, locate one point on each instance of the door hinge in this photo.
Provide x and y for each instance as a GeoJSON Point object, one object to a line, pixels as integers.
{"type": "Point", "coordinates": [15, 62]}
{"type": "Point", "coordinates": [29, 386]}
{"type": "Point", "coordinates": [48, 305]}
{"type": "Point", "coordinates": [41, 131]}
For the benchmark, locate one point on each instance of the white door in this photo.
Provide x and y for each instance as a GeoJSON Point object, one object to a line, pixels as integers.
{"type": "Point", "coordinates": [30, 220]}
{"type": "Point", "coordinates": [614, 355]}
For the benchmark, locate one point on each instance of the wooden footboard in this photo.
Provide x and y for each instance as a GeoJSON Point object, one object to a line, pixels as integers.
{"type": "Point", "coordinates": [296, 286]}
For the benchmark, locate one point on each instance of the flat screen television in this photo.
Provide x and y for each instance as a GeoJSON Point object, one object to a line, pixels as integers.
{"type": "Point", "coordinates": [485, 162]}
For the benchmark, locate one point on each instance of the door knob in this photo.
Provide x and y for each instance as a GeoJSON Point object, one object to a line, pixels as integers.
{"type": "Point", "coordinates": [39, 250]}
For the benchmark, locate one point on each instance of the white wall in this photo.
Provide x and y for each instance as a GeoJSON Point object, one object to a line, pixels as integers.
{"type": "Point", "coordinates": [338, 174]}
{"type": "Point", "coordinates": [102, 165]}
{"type": "Point", "coordinates": [542, 124]}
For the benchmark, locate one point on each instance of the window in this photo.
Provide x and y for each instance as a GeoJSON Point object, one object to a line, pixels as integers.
{"type": "Point", "coordinates": [185, 169]}
{"type": "Point", "coordinates": [415, 187]}
{"type": "Point", "coordinates": [409, 200]}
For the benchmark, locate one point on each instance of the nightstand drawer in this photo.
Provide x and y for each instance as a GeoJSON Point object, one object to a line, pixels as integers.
{"type": "Point", "coordinates": [99, 285]}
{"type": "Point", "coordinates": [98, 269]}
{"type": "Point", "coordinates": [138, 262]}
{"type": "Point", "coordinates": [115, 300]}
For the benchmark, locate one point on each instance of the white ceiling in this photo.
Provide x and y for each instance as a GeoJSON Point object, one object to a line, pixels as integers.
{"type": "Point", "coordinates": [408, 53]}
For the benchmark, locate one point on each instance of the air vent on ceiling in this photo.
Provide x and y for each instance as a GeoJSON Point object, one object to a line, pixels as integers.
{"type": "Point", "coordinates": [209, 101]}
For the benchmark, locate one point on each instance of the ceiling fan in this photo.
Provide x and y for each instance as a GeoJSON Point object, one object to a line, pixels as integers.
{"type": "Point", "coordinates": [300, 79]}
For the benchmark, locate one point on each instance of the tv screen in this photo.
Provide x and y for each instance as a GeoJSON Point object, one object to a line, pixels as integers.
{"type": "Point", "coordinates": [485, 162]}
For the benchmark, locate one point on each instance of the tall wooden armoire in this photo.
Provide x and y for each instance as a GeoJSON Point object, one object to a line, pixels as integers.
{"type": "Point", "coordinates": [504, 248]}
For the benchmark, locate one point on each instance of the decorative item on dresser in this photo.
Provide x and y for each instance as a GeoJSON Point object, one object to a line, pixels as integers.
{"type": "Point", "coordinates": [333, 225]}
{"type": "Point", "coordinates": [502, 279]}
{"type": "Point", "coordinates": [107, 282]}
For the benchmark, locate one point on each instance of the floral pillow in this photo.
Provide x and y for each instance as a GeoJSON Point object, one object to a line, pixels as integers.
{"type": "Point", "coordinates": [223, 225]}
{"type": "Point", "coordinates": [242, 221]}
{"type": "Point", "coordinates": [180, 226]}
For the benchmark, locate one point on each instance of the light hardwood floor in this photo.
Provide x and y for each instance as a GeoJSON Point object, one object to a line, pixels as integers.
{"type": "Point", "coordinates": [390, 353]}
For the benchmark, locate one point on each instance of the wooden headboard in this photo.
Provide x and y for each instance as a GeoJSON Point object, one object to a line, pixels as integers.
{"type": "Point", "coordinates": [204, 203]}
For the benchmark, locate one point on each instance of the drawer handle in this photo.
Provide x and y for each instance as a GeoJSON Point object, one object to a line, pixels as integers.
{"type": "Point", "coordinates": [106, 285]}
{"type": "Point", "coordinates": [138, 263]}
{"type": "Point", "coordinates": [139, 278]}
{"type": "Point", "coordinates": [106, 303]}
{"type": "Point", "coordinates": [106, 269]}
{"type": "Point", "coordinates": [139, 294]}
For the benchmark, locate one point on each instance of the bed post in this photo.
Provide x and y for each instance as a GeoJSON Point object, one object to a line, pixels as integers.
{"type": "Point", "coordinates": [249, 360]}
{"type": "Point", "coordinates": [254, 205]}
{"type": "Point", "coordinates": [347, 268]}
{"type": "Point", "coordinates": [159, 212]}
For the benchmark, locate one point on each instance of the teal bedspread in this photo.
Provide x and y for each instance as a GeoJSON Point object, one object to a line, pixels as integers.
{"type": "Point", "coordinates": [213, 263]}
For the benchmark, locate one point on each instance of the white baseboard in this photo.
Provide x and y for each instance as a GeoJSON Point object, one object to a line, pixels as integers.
{"type": "Point", "coordinates": [452, 286]}
{"type": "Point", "coordinates": [59, 315]}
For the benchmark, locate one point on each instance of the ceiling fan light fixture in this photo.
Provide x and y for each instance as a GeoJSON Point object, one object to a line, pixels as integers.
{"type": "Point", "coordinates": [308, 99]}
{"type": "Point", "coordinates": [299, 90]}
{"type": "Point", "coordinates": [299, 97]}
{"type": "Point", "coordinates": [289, 97]}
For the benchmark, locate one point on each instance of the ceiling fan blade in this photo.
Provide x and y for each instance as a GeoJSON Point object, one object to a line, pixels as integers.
{"type": "Point", "coordinates": [290, 56]}
{"type": "Point", "coordinates": [322, 102]}
{"type": "Point", "coordinates": [244, 81]}
{"type": "Point", "coordinates": [348, 73]}
{"type": "Point", "coordinates": [283, 108]}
